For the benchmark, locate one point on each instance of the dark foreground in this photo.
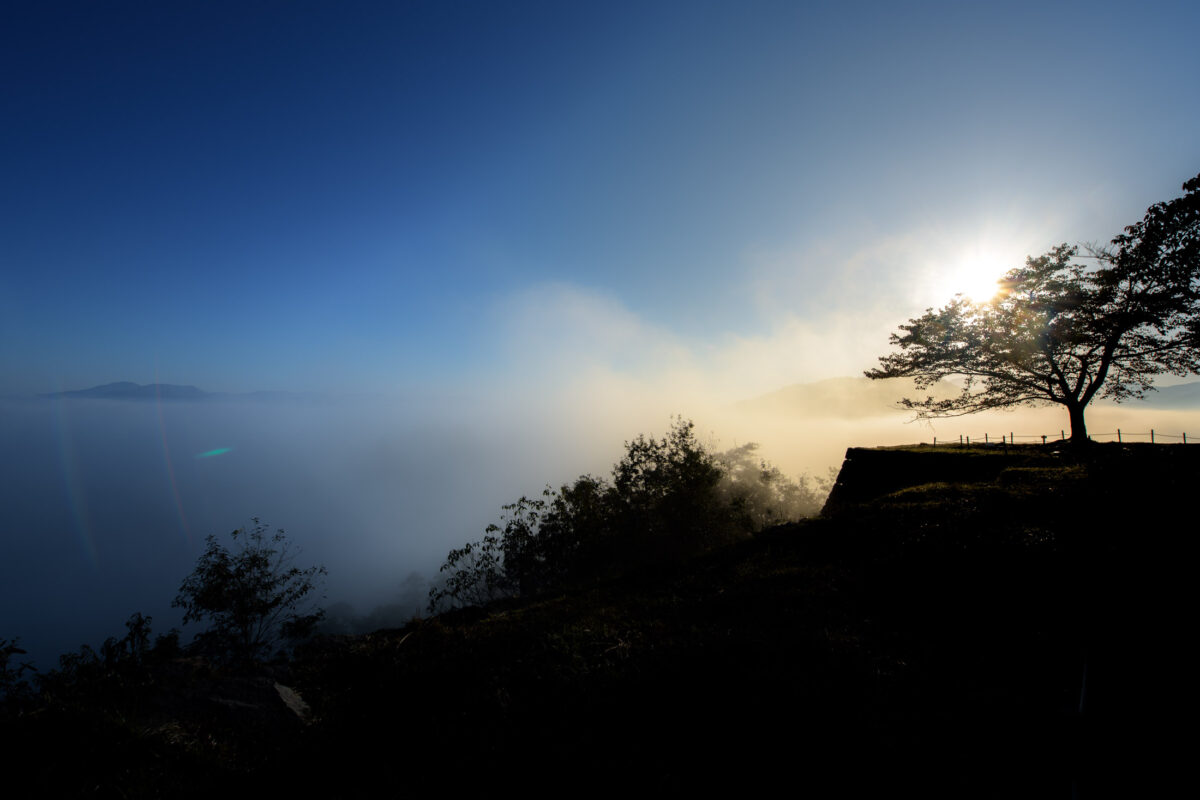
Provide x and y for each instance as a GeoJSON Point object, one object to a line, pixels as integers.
{"type": "Point", "coordinates": [928, 636]}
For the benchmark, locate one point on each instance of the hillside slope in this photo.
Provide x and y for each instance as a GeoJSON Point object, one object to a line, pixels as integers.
{"type": "Point", "coordinates": [931, 639]}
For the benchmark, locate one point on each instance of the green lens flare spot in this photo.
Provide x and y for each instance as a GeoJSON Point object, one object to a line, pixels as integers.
{"type": "Point", "coordinates": [220, 451]}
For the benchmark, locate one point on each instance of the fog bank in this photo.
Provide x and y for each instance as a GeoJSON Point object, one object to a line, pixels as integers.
{"type": "Point", "coordinates": [104, 505]}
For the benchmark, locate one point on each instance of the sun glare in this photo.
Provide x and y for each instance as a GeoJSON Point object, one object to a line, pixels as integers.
{"type": "Point", "coordinates": [977, 277]}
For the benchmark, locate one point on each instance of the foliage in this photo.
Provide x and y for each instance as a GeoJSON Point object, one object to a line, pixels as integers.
{"type": "Point", "coordinates": [762, 493]}
{"type": "Point", "coordinates": [666, 488]}
{"type": "Point", "coordinates": [666, 498]}
{"type": "Point", "coordinates": [13, 685]}
{"type": "Point", "coordinates": [1061, 333]}
{"type": "Point", "coordinates": [253, 598]}
{"type": "Point", "coordinates": [477, 572]}
{"type": "Point", "coordinates": [118, 667]}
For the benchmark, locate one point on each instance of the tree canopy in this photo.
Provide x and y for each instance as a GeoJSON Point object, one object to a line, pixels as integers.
{"type": "Point", "coordinates": [254, 598]}
{"type": "Point", "coordinates": [667, 498]}
{"type": "Point", "coordinates": [1060, 332]}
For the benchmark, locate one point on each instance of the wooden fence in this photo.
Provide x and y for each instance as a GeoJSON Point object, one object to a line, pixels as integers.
{"type": "Point", "coordinates": [1152, 436]}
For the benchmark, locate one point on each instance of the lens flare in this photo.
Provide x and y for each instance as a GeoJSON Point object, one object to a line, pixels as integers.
{"type": "Point", "coordinates": [162, 429]}
{"type": "Point", "coordinates": [72, 484]}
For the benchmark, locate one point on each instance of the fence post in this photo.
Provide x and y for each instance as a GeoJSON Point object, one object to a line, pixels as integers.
{"type": "Point", "coordinates": [1043, 438]}
{"type": "Point", "coordinates": [935, 441]}
{"type": "Point", "coordinates": [1064, 435]}
{"type": "Point", "coordinates": [968, 441]}
{"type": "Point", "coordinates": [1152, 436]}
{"type": "Point", "coordinates": [1118, 435]}
{"type": "Point", "coordinates": [985, 439]}
{"type": "Point", "coordinates": [1185, 438]}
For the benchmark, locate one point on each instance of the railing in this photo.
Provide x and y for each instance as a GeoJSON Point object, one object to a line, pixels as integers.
{"type": "Point", "coordinates": [1120, 436]}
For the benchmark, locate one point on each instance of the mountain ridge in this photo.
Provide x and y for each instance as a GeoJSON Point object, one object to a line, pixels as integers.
{"type": "Point", "coordinates": [128, 390]}
{"type": "Point", "coordinates": [845, 397]}
{"type": "Point", "coordinates": [856, 398]}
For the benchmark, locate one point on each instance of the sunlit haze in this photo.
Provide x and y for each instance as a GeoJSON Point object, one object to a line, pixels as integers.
{"type": "Point", "coordinates": [486, 243]}
{"type": "Point", "coordinates": [978, 275]}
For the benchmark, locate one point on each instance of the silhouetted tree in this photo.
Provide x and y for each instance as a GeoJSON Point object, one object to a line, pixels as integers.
{"type": "Point", "coordinates": [1062, 333]}
{"type": "Point", "coordinates": [13, 685]}
{"type": "Point", "coordinates": [762, 492]}
{"type": "Point", "coordinates": [666, 488]}
{"type": "Point", "coordinates": [667, 498]}
{"type": "Point", "coordinates": [479, 572]}
{"type": "Point", "coordinates": [253, 598]}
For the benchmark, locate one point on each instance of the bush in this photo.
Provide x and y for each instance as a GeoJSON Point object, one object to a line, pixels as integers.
{"type": "Point", "coordinates": [12, 679]}
{"type": "Point", "coordinates": [763, 493]}
{"type": "Point", "coordinates": [667, 498]}
{"type": "Point", "coordinates": [253, 598]}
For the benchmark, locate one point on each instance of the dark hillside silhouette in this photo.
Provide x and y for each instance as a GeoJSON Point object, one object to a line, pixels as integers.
{"type": "Point", "coordinates": [928, 635]}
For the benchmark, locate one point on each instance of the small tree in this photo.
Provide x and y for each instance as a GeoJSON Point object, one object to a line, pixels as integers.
{"type": "Point", "coordinates": [1062, 333]}
{"type": "Point", "coordinates": [762, 493]}
{"type": "Point", "coordinates": [667, 498]}
{"type": "Point", "coordinates": [253, 598]}
{"type": "Point", "coordinates": [13, 685]}
{"type": "Point", "coordinates": [480, 572]}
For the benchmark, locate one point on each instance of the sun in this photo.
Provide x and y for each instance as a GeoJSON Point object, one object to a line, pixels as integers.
{"type": "Point", "coordinates": [976, 276]}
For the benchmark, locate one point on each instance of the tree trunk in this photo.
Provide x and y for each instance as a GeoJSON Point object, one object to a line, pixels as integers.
{"type": "Point", "coordinates": [1079, 435]}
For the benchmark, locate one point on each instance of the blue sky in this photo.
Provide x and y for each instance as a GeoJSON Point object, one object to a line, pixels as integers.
{"type": "Point", "coordinates": [392, 197]}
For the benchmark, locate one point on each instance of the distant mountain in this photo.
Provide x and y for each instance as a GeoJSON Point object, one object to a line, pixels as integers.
{"type": "Point", "coordinates": [846, 398]}
{"type": "Point", "coordinates": [1183, 395]}
{"type": "Point", "coordinates": [855, 398]}
{"type": "Point", "coordinates": [127, 390]}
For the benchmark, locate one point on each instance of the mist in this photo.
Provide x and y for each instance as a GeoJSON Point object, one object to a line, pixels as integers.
{"type": "Point", "coordinates": [105, 504]}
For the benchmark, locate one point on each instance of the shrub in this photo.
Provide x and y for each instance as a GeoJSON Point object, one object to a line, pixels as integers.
{"type": "Point", "coordinates": [253, 598]}
{"type": "Point", "coordinates": [12, 679]}
{"type": "Point", "coordinates": [762, 493]}
{"type": "Point", "coordinates": [667, 498]}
